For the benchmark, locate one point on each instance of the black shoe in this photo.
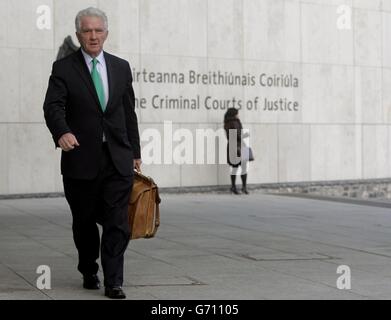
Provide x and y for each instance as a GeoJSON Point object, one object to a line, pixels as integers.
{"type": "Point", "coordinates": [234, 190]}
{"type": "Point", "coordinates": [114, 293]}
{"type": "Point", "coordinates": [91, 282]}
{"type": "Point", "coordinates": [233, 186]}
{"type": "Point", "coordinates": [244, 183]}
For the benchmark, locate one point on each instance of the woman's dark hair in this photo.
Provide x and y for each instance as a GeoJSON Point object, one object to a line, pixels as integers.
{"type": "Point", "coordinates": [230, 114]}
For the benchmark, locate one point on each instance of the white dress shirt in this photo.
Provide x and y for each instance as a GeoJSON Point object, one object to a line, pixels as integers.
{"type": "Point", "coordinates": [102, 69]}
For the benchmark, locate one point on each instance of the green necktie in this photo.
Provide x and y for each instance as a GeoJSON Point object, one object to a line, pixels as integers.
{"type": "Point", "coordinates": [96, 78]}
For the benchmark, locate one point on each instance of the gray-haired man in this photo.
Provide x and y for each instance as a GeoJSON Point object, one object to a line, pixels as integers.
{"type": "Point", "coordinates": [89, 110]}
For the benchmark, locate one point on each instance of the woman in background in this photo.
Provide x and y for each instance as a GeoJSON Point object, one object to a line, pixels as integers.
{"type": "Point", "coordinates": [235, 154]}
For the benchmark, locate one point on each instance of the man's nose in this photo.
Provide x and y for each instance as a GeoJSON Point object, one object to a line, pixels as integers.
{"type": "Point", "coordinates": [93, 34]}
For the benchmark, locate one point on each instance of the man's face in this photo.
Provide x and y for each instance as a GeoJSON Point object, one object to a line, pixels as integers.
{"type": "Point", "coordinates": [92, 35]}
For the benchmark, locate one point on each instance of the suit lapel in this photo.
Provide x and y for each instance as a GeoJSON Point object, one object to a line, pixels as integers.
{"type": "Point", "coordinates": [81, 67]}
{"type": "Point", "coordinates": [110, 78]}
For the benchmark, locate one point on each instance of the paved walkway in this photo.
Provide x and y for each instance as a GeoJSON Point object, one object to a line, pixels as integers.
{"type": "Point", "coordinates": [211, 246]}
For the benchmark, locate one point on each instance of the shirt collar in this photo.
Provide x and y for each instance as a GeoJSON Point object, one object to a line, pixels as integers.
{"type": "Point", "coordinates": [88, 58]}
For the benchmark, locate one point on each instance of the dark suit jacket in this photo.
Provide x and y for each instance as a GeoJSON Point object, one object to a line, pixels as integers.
{"type": "Point", "coordinates": [72, 105]}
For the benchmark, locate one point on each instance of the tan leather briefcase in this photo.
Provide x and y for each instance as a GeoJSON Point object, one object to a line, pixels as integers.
{"type": "Point", "coordinates": [143, 209]}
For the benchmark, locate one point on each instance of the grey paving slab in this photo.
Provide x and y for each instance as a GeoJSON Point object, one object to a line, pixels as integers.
{"type": "Point", "coordinates": [210, 246]}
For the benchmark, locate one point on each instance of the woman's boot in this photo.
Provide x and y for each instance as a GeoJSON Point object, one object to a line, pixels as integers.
{"type": "Point", "coordinates": [244, 184]}
{"type": "Point", "coordinates": [233, 185]}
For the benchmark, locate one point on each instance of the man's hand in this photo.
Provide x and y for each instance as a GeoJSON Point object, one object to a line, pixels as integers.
{"type": "Point", "coordinates": [137, 164]}
{"type": "Point", "coordinates": [68, 142]}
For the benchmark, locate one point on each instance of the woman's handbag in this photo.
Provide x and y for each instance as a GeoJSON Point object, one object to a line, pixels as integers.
{"type": "Point", "coordinates": [248, 153]}
{"type": "Point", "coordinates": [143, 209]}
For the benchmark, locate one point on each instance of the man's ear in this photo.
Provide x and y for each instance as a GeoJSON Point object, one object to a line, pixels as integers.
{"type": "Point", "coordinates": [77, 36]}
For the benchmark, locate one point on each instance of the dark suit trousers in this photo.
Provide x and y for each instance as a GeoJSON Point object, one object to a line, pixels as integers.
{"type": "Point", "coordinates": [103, 199]}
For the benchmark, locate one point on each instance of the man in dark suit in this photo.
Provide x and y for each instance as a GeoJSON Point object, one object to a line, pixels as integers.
{"type": "Point", "coordinates": [89, 110]}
